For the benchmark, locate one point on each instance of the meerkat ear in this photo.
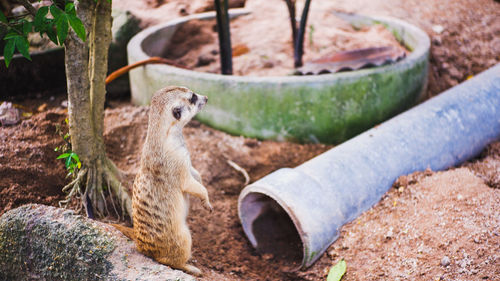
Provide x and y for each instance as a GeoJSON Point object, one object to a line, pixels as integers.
{"type": "Point", "coordinates": [193, 99]}
{"type": "Point", "coordinates": [176, 112]}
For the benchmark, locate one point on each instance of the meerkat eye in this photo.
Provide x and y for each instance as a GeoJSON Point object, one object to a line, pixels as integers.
{"type": "Point", "coordinates": [193, 99]}
{"type": "Point", "coordinates": [176, 112]}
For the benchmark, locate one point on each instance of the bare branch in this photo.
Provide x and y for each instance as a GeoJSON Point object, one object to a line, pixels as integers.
{"type": "Point", "coordinates": [6, 6]}
{"type": "Point", "coordinates": [4, 25]}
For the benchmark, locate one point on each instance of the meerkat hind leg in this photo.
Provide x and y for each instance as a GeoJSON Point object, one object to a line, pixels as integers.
{"type": "Point", "coordinates": [197, 189]}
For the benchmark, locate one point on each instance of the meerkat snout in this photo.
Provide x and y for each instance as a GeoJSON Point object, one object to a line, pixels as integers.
{"type": "Point", "coordinates": [198, 100]}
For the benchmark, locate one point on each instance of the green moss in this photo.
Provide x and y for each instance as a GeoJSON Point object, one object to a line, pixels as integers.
{"type": "Point", "coordinates": [41, 244]}
{"type": "Point", "coordinates": [329, 113]}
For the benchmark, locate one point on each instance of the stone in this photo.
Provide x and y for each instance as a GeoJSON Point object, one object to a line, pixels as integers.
{"type": "Point", "coordinates": [39, 242]}
{"type": "Point", "coordinates": [438, 28]}
{"type": "Point", "coordinates": [445, 261]}
{"type": "Point", "coordinates": [9, 115]}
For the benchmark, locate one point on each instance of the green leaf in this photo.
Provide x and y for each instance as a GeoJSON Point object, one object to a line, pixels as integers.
{"type": "Point", "coordinates": [51, 33]}
{"type": "Point", "coordinates": [2, 17]}
{"type": "Point", "coordinates": [62, 28]}
{"type": "Point", "coordinates": [39, 21]}
{"type": "Point", "coordinates": [8, 50]}
{"type": "Point", "coordinates": [55, 11]}
{"type": "Point", "coordinates": [70, 9]}
{"type": "Point", "coordinates": [64, 155]}
{"type": "Point", "coordinates": [27, 27]}
{"type": "Point", "coordinates": [77, 26]}
{"type": "Point", "coordinates": [23, 45]}
{"type": "Point", "coordinates": [68, 162]}
{"type": "Point", "coordinates": [75, 156]}
{"type": "Point", "coordinates": [337, 271]}
{"type": "Point", "coordinates": [11, 35]}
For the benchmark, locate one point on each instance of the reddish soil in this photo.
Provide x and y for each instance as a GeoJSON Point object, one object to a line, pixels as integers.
{"type": "Point", "coordinates": [431, 226]}
{"type": "Point", "coordinates": [429, 215]}
{"type": "Point", "coordinates": [28, 169]}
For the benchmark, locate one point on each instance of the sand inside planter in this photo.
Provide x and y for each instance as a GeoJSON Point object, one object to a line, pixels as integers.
{"type": "Point", "coordinates": [262, 44]}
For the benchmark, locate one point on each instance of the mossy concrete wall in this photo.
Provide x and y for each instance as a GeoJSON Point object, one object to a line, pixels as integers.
{"type": "Point", "coordinates": [39, 242]}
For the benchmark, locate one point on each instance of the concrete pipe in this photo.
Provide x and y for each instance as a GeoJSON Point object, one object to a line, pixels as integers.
{"type": "Point", "coordinates": [302, 209]}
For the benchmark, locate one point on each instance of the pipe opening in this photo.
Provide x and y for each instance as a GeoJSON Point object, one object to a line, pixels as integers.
{"type": "Point", "coordinates": [270, 229]}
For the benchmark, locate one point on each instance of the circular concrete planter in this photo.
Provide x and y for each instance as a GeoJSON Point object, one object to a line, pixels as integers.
{"type": "Point", "coordinates": [327, 108]}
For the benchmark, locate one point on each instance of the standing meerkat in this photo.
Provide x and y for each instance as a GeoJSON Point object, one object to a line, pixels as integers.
{"type": "Point", "coordinates": [166, 177]}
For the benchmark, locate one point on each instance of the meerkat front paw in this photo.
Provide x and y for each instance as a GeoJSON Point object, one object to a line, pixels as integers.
{"type": "Point", "coordinates": [208, 206]}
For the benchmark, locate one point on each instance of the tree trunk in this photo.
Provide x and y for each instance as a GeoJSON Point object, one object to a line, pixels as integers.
{"type": "Point", "coordinates": [86, 67]}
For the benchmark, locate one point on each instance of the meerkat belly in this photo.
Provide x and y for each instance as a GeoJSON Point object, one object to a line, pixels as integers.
{"type": "Point", "coordinates": [158, 219]}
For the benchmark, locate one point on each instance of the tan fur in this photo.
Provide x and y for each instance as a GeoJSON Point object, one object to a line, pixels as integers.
{"type": "Point", "coordinates": [127, 231]}
{"type": "Point", "coordinates": [166, 177]}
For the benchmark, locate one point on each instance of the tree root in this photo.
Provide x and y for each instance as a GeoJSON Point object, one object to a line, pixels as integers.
{"type": "Point", "coordinates": [89, 189]}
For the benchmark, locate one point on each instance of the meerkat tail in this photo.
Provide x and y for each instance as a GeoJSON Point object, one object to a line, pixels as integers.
{"type": "Point", "coordinates": [127, 231]}
{"type": "Point", "coordinates": [191, 269]}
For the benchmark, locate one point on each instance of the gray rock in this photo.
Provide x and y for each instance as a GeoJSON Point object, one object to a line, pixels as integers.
{"type": "Point", "coordinates": [9, 115]}
{"type": "Point", "coordinates": [445, 261]}
{"type": "Point", "coordinates": [39, 242]}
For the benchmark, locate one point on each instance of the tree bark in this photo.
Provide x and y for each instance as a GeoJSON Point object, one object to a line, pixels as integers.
{"type": "Point", "coordinates": [78, 81]}
{"type": "Point", "coordinates": [86, 68]}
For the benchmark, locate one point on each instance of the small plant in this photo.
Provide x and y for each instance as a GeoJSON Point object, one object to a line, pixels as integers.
{"type": "Point", "coordinates": [71, 159]}
{"type": "Point", "coordinates": [72, 162]}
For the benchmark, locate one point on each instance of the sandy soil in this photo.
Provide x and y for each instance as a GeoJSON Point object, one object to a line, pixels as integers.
{"type": "Point", "coordinates": [431, 226]}
{"type": "Point", "coordinates": [414, 229]}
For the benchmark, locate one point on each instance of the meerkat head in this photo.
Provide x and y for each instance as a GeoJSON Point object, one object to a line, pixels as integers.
{"type": "Point", "coordinates": [176, 105]}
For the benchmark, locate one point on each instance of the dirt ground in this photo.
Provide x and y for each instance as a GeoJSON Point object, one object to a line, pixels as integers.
{"type": "Point", "coordinates": [430, 226]}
